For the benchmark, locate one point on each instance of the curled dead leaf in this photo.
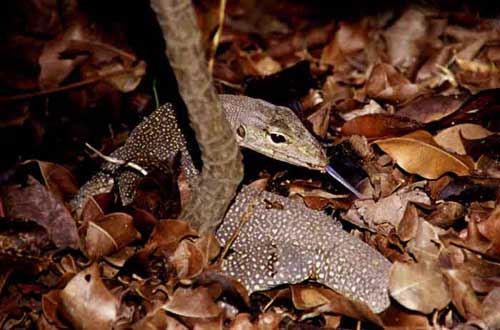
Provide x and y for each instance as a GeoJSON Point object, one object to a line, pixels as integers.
{"type": "Point", "coordinates": [33, 201]}
{"type": "Point", "coordinates": [181, 303]}
{"type": "Point", "coordinates": [418, 153]}
{"type": "Point", "coordinates": [451, 137]}
{"type": "Point", "coordinates": [419, 286]}
{"type": "Point", "coordinates": [87, 303]}
{"type": "Point", "coordinates": [386, 83]}
{"type": "Point", "coordinates": [376, 126]}
{"type": "Point", "coordinates": [430, 108]}
{"type": "Point", "coordinates": [109, 234]}
{"type": "Point", "coordinates": [168, 233]}
{"type": "Point", "coordinates": [188, 260]}
{"type": "Point", "coordinates": [158, 320]}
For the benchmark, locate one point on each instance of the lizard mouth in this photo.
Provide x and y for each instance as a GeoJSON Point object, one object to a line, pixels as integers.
{"type": "Point", "coordinates": [318, 164]}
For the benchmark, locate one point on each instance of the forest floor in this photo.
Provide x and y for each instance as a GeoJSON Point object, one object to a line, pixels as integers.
{"type": "Point", "coordinates": [406, 100]}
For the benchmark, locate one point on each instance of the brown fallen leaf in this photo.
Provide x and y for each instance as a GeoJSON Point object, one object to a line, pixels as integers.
{"type": "Point", "coordinates": [490, 313]}
{"type": "Point", "coordinates": [386, 83]}
{"type": "Point", "coordinates": [53, 69]}
{"type": "Point", "coordinates": [490, 228]}
{"type": "Point", "coordinates": [407, 227]}
{"type": "Point", "coordinates": [419, 286]}
{"type": "Point", "coordinates": [446, 214]}
{"type": "Point", "coordinates": [33, 201]}
{"type": "Point", "coordinates": [158, 320]}
{"type": "Point", "coordinates": [323, 300]}
{"type": "Point", "coordinates": [87, 303]}
{"type": "Point", "coordinates": [430, 108]}
{"type": "Point", "coordinates": [432, 68]}
{"type": "Point", "coordinates": [58, 179]}
{"type": "Point", "coordinates": [488, 167]}
{"type": "Point", "coordinates": [168, 233]}
{"type": "Point", "coordinates": [404, 39]}
{"type": "Point", "coordinates": [109, 234]}
{"type": "Point", "coordinates": [242, 322]}
{"type": "Point", "coordinates": [397, 319]}
{"type": "Point", "coordinates": [320, 121]}
{"type": "Point", "coordinates": [390, 209]}
{"type": "Point", "coordinates": [181, 303]}
{"type": "Point", "coordinates": [463, 296]}
{"type": "Point", "coordinates": [418, 153]}
{"type": "Point", "coordinates": [188, 260]}
{"type": "Point", "coordinates": [451, 138]}
{"type": "Point", "coordinates": [376, 126]}
{"type": "Point", "coordinates": [259, 64]}
{"type": "Point", "coordinates": [24, 247]}
{"type": "Point", "coordinates": [368, 109]}
{"type": "Point", "coordinates": [349, 39]}
{"type": "Point", "coordinates": [51, 303]}
{"type": "Point", "coordinates": [477, 76]}
{"type": "Point", "coordinates": [306, 297]}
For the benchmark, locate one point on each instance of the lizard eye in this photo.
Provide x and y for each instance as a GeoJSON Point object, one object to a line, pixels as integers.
{"type": "Point", "coordinates": [277, 138]}
{"type": "Point", "coordinates": [241, 131]}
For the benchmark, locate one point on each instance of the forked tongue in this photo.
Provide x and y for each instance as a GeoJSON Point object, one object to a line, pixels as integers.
{"type": "Point", "coordinates": [334, 174]}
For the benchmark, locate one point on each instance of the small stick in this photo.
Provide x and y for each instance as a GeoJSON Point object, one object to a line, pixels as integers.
{"type": "Point", "coordinates": [117, 161]}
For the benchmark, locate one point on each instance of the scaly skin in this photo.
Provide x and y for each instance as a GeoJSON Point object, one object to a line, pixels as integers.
{"type": "Point", "coordinates": [158, 139]}
{"type": "Point", "coordinates": [292, 243]}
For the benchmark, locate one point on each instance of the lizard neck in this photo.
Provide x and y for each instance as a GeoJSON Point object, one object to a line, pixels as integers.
{"type": "Point", "coordinates": [233, 109]}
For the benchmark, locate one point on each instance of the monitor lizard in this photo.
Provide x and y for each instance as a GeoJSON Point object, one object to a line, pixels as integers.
{"type": "Point", "coordinates": [274, 131]}
{"type": "Point", "coordinates": [274, 245]}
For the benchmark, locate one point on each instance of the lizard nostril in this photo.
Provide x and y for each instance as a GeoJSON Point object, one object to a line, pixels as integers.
{"type": "Point", "coordinates": [277, 138]}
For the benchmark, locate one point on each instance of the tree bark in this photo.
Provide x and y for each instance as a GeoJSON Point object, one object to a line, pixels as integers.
{"type": "Point", "coordinates": [222, 169]}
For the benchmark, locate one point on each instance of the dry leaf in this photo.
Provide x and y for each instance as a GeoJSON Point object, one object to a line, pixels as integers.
{"type": "Point", "coordinates": [320, 120]}
{"type": "Point", "coordinates": [490, 228]}
{"type": "Point", "coordinates": [58, 179]}
{"type": "Point", "coordinates": [242, 322]}
{"type": "Point", "coordinates": [308, 297]}
{"type": "Point", "coordinates": [426, 244]}
{"type": "Point", "coordinates": [404, 39]}
{"type": "Point", "coordinates": [168, 233]}
{"type": "Point", "coordinates": [418, 153]}
{"type": "Point", "coordinates": [451, 137]}
{"type": "Point", "coordinates": [369, 109]}
{"type": "Point", "coordinates": [87, 303]}
{"type": "Point", "coordinates": [397, 319]}
{"type": "Point", "coordinates": [430, 108]}
{"type": "Point", "coordinates": [158, 320]}
{"type": "Point", "coordinates": [182, 303]}
{"type": "Point", "coordinates": [188, 260]}
{"type": "Point", "coordinates": [33, 201]}
{"type": "Point", "coordinates": [378, 126]}
{"type": "Point", "coordinates": [109, 234]}
{"type": "Point", "coordinates": [407, 227]}
{"type": "Point", "coordinates": [53, 69]}
{"type": "Point", "coordinates": [462, 295]}
{"type": "Point", "coordinates": [386, 83]}
{"type": "Point", "coordinates": [419, 286]}
{"type": "Point", "coordinates": [446, 214]}
{"type": "Point", "coordinates": [390, 209]}
{"type": "Point", "coordinates": [490, 313]}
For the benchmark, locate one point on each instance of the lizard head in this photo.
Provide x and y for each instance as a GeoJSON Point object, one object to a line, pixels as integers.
{"type": "Point", "coordinates": [274, 131]}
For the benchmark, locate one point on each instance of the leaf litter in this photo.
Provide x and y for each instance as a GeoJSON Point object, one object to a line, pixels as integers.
{"type": "Point", "coordinates": [405, 101]}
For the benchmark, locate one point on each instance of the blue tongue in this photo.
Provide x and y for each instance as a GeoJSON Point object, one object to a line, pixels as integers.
{"type": "Point", "coordinates": [334, 174]}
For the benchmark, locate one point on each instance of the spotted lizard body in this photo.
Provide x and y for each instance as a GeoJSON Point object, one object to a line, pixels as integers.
{"type": "Point", "coordinates": [291, 243]}
{"type": "Point", "coordinates": [274, 246]}
{"type": "Point", "coordinates": [271, 130]}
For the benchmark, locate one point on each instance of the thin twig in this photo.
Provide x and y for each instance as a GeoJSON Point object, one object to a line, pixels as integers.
{"type": "Point", "coordinates": [118, 161]}
{"type": "Point", "coordinates": [216, 39]}
{"type": "Point", "coordinates": [64, 88]}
